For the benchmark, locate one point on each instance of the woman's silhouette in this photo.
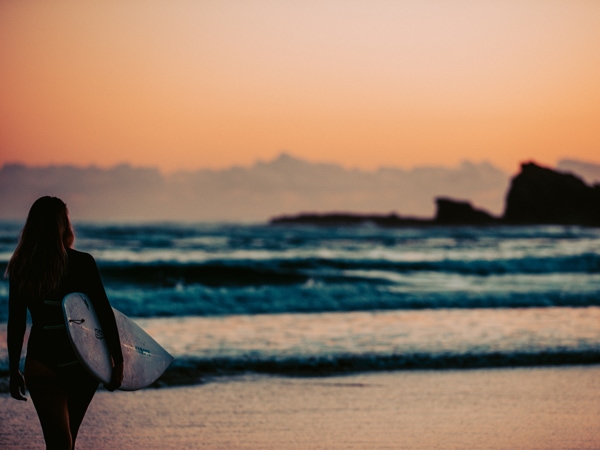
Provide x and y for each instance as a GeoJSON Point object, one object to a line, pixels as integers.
{"type": "Point", "coordinates": [43, 269]}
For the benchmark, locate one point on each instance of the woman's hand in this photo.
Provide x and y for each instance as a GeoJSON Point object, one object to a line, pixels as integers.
{"type": "Point", "coordinates": [117, 377]}
{"type": "Point", "coordinates": [17, 386]}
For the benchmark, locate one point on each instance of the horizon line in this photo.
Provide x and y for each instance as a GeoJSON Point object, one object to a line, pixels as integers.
{"type": "Point", "coordinates": [280, 156]}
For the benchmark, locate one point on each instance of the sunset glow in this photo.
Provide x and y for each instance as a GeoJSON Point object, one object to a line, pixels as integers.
{"type": "Point", "coordinates": [210, 84]}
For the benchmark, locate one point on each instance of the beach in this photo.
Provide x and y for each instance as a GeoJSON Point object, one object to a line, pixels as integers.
{"type": "Point", "coordinates": [349, 338]}
{"type": "Point", "coordinates": [525, 408]}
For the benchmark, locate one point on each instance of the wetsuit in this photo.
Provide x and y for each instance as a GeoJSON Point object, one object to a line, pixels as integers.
{"type": "Point", "coordinates": [48, 340]}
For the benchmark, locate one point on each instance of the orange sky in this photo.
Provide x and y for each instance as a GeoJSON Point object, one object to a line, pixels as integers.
{"type": "Point", "coordinates": [208, 84]}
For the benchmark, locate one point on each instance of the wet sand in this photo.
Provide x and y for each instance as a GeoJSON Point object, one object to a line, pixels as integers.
{"type": "Point", "coordinates": [541, 408]}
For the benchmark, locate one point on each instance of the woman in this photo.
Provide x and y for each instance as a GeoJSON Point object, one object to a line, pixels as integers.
{"type": "Point", "coordinates": [43, 269]}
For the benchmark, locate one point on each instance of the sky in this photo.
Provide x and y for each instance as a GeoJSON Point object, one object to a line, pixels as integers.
{"type": "Point", "coordinates": [187, 85]}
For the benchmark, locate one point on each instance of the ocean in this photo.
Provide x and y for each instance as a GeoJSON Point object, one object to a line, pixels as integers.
{"type": "Point", "coordinates": [228, 299]}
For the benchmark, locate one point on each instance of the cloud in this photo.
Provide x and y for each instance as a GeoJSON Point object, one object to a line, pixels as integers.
{"type": "Point", "coordinates": [285, 185]}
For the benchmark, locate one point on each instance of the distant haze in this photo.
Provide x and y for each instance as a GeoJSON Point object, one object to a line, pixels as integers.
{"type": "Point", "coordinates": [285, 185]}
{"type": "Point", "coordinates": [590, 173]}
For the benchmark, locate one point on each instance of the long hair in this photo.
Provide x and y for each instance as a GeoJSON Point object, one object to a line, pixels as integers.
{"type": "Point", "coordinates": [40, 259]}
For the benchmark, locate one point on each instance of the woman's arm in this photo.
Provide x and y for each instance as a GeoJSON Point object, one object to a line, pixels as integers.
{"type": "Point", "coordinates": [99, 299]}
{"type": "Point", "coordinates": [17, 323]}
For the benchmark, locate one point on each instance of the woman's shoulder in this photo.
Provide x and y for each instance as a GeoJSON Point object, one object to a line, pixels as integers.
{"type": "Point", "coordinates": [78, 257]}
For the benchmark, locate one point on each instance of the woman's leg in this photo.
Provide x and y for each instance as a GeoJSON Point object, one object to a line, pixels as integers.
{"type": "Point", "coordinates": [81, 390]}
{"type": "Point", "coordinates": [61, 401]}
{"type": "Point", "coordinates": [51, 403]}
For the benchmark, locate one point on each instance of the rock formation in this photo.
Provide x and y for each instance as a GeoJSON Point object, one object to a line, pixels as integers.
{"type": "Point", "coordinates": [537, 196]}
{"type": "Point", "coordinates": [540, 195]}
{"type": "Point", "coordinates": [455, 212]}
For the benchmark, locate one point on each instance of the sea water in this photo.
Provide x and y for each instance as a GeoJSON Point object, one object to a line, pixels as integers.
{"type": "Point", "coordinates": [300, 300]}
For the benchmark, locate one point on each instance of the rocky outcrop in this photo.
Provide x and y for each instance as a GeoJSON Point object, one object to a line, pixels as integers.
{"type": "Point", "coordinates": [348, 219]}
{"type": "Point", "coordinates": [539, 195]}
{"type": "Point", "coordinates": [449, 212]}
{"type": "Point", "coordinates": [455, 212]}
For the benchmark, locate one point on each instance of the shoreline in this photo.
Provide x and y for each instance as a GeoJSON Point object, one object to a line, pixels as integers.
{"type": "Point", "coordinates": [525, 408]}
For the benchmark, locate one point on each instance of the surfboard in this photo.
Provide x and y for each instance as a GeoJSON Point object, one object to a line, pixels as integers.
{"type": "Point", "coordinates": [144, 359]}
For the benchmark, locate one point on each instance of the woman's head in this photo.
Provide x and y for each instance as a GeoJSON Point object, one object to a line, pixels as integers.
{"type": "Point", "coordinates": [48, 223]}
{"type": "Point", "coordinates": [40, 259]}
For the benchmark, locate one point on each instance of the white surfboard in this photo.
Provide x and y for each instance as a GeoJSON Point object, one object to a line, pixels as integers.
{"type": "Point", "coordinates": [144, 360]}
